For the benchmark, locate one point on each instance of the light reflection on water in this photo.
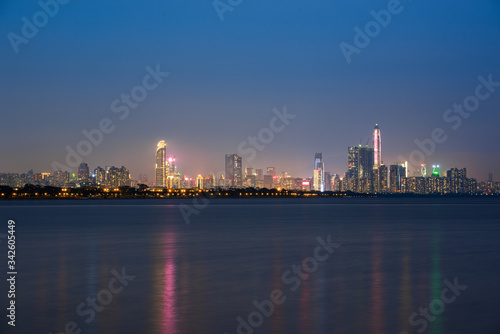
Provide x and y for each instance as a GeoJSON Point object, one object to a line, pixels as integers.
{"type": "Point", "coordinates": [200, 278]}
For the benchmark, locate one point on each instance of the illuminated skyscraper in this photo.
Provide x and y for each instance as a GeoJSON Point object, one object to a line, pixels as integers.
{"type": "Point", "coordinates": [365, 169]}
{"type": "Point", "coordinates": [328, 181]}
{"type": "Point", "coordinates": [99, 175]}
{"type": "Point", "coordinates": [319, 172]}
{"type": "Point", "coordinates": [271, 171]}
{"type": "Point", "coordinates": [234, 170]}
{"type": "Point", "coordinates": [83, 172]}
{"type": "Point", "coordinates": [352, 168]}
{"type": "Point", "coordinates": [160, 164]}
{"type": "Point", "coordinates": [377, 147]}
{"type": "Point", "coordinates": [382, 179]}
{"type": "Point", "coordinates": [457, 179]}
{"type": "Point", "coordinates": [397, 174]}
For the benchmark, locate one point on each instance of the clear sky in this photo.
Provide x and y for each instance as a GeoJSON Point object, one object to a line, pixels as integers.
{"type": "Point", "coordinates": [227, 76]}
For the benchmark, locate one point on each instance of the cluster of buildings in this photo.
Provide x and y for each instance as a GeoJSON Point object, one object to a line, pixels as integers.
{"type": "Point", "coordinates": [108, 177]}
{"type": "Point", "coordinates": [366, 173]}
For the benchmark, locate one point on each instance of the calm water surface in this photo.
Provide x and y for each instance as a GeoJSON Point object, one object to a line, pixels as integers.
{"type": "Point", "coordinates": [393, 258]}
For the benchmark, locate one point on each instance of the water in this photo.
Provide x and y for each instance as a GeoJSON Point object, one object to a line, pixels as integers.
{"type": "Point", "coordinates": [393, 257]}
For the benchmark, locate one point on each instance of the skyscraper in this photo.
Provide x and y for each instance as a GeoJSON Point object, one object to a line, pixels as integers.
{"type": "Point", "coordinates": [377, 147]}
{"type": "Point", "coordinates": [234, 170]}
{"type": "Point", "coordinates": [365, 169]}
{"type": "Point", "coordinates": [319, 172]}
{"type": "Point", "coordinates": [160, 164]}
{"type": "Point", "coordinates": [99, 175]}
{"type": "Point", "coordinates": [328, 181]}
{"type": "Point", "coordinates": [83, 172]}
{"type": "Point", "coordinates": [397, 173]}
{"type": "Point", "coordinates": [382, 180]}
{"type": "Point", "coordinates": [352, 168]}
{"type": "Point", "coordinates": [457, 180]}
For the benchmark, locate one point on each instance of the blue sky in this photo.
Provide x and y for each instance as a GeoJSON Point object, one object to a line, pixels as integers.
{"type": "Point", "coordinates": [227, 76]}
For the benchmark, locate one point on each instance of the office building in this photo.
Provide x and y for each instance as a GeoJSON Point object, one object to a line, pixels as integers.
{"type": "Point", "coordinates": [319, 173]}
{"type": "Point", "coordinates": [365, 169]}
{"type": "Point", "coordinates": [83, 172]}
{"type": "Point", "coordinates": [160, 164]}
{"type": "Point", "coordinates": [397, 173]}
{"type": "Point", "coordinates": [234, 170]}
{"type": "Point", "coordinates": [352, 173]}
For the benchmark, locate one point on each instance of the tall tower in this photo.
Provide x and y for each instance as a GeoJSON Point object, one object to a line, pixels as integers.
{"type": "Point", "coordinates": [365, 169]}
{"type": "Point", "coordinates": [377, 147]}
{"type": "Point", "coordinates": [352, 174]}
{"type": "Point", "coordinates": [234, 170]}
{"type": "Point", "coordinates": [160, 164]}
{"type": "Point", "coordinates": [319, 172]}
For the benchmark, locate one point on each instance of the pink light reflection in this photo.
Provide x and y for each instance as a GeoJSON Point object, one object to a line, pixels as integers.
{"type": "Point", "coordinates": [169, 297]}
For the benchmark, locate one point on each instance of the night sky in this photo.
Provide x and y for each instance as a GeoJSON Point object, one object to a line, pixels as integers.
{"type": "Point", "coordinates": [226, 77]}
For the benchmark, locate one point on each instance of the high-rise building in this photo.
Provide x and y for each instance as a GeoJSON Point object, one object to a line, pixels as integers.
{"type": "Point", "coordinates": [234, 170]}
{"type": "Point", "coordinates": [259, 180]}
{"type": "Point", "coordinates": [352, 173]}
{"type": "Point", "coordinates": [221, 182]}
{"type": "Point", "coordinates": [377, 147]}
{"type": "Point", "coordinates": [83, 172]}
{"type": "Point", "coordinates": [328, 181]}
{"type": "Point", "coordinates": [397, 173]}
{"type": "Point", "coordinates": [268, 181]}
{"type": "Point", "coordinates": [260, 174]}
{"type": "Point", "coordinates": [117, 177]}
{"type": "Point", "coordinates": [365, 170]}
{"type": "Point", "coordinates": [319, 172]}
{"type": "Point", "coordinates": [199, 182]}
{"type": "Point", "coordinates": [457, 180]}
{"type": "Point", "coordinates": [271, 171]}
{"type": "Point", "coordinates": [160, 164]}
{"type": "Point", "coordinates": [335, 181]}
{"type": "Point", "coordinates": [100, 176]}
{"type": "Point", "coordinates": [382, 180]}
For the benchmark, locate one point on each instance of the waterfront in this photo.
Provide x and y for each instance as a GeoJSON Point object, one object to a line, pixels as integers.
{"type": "Point", "coordinates": [393, 257]}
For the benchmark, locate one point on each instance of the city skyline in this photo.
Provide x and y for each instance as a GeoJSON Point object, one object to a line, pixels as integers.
{"type": "Point", "coordinates": [365, 173]}
{"type": "Point", "coordinates": [161, 171]}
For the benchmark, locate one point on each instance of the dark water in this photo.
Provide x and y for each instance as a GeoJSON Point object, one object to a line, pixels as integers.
{"type": "Point", "coordinates": [199, 278]}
